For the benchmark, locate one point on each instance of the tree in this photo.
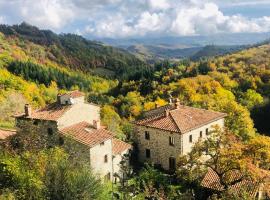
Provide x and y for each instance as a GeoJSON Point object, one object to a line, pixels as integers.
{"type": "Point", "coordinates": [47, 174]}
{"type": "Point", "coordinates": [224, 153]}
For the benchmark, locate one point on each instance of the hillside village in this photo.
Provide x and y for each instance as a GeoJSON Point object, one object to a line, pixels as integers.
{"type": "Point", "coordinates": [161, 136]}
{"type": "Point", "coordinates": [86, 121]}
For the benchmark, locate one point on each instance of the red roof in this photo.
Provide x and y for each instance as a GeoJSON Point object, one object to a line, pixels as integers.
{"type": "Point", "coordinates": [75, 94]}
{"type": "Point", "coordinates": [119, 146]}
{"type": "Point", "coordinates": [6, 133]}
{"type": "Point", "coordinates": [182, 119]}
{"type": "Point", "coordinates": [85, 133]}
{"type": "Point", "coordinates": [212, 181]}
{"type": "Point", "coordinates": [51, 112]}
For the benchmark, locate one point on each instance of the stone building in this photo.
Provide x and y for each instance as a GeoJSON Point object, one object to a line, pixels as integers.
{"type": "Point", "coordinates": [167, 132]}
{"type": "Point", "coordinates": [73, 122]}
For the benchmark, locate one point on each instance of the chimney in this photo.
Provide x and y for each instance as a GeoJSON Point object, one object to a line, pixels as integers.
{"type": "Point", "coordinates": [177, 103]}
{"type": "Point", "coordinates": [96, 124]}
{"type": "Point", "coordinates": [167, 112]}
{"type": "Point", "coordinates": [27, 110]}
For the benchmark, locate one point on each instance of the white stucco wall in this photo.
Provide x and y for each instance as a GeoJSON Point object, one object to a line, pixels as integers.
{"type": "Point", "coordinates": [78, 113]}
{"type": "Point", "coordinates": [116, 161]}
{"type": "Point", "coordinates": [187, 146]}
{"type": "Point", "coordinates": [97, 154]}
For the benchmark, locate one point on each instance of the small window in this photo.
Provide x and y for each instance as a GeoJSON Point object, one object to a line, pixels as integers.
{"type": "Point", "coordinates": [201, 134]}
{"type": "Point", "coordinates": [107, 176]}
{"type": "Point", "coordinates": [207, 131]}
{"type": "Point", "coordinates": [171, 141]}
{"type": "Point", "coordinates": [106, 158]}
{"type": "Point", "coordinates": [61, 141]}
{"type": "Point", "coordinates": [147, 135]}
{"type": "Point", "coordinates": [148, 153]}
{"type": "Point", "coordinates": [36, 122]}
{"type": "Point", "coordinates": [190, 138]}
{"type": "Point", "coordinates": [172, 163]}
{"type": "Point", "coordinates": [102, 143]}
{"type": "Point", "coordinates": [66, 102]}
{"type": "Point", "coordinates": [50, 131]}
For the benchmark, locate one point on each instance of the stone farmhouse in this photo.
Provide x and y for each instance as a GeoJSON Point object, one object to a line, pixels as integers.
{"type": "Point", "coordinates": [166, 132]}
{"type": "Point", "coordinates": [72, 122]}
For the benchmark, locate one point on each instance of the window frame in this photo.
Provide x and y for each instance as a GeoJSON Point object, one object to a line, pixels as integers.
{"type": "Point", "coordinates": [106, 158]}
{"type": "Point", "coordinates": [147, 135]}
{"type": "Point", "coordinates": [172, 163]}
{"type": "Point", "coordinates": [50, 131]}
{"type": "Point", "coordinates": [148, 153]}
{"type": "Point", "coordinates": [190, 138]}
{"type": "Point", "coordinates": [171, 141]}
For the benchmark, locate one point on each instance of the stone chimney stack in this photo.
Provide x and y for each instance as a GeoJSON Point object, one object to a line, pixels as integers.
{"type": "Point", "coordinates": [27, 110]}
{"type": "Point", "coordinates": [167, 112]}
{"type": "Point", "coordinates": [96, 124]}
{"type": "Point", "coordinates": [177, 103]}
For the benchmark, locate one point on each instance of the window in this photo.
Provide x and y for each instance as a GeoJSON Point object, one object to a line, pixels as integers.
{"type": "Point", "coordinates": [36, 122]}
{"type": "Point", "coordinates": [66, 102]}
{"type": "Point", "coordinates": [61, 141]}
{"type": "Point", "coordinates": [102, 143]}
{"type": "Point", "coordinates": [171, 141]}
{"type": "Point", "coordinates": [200, 134]}
{"type": "Point", "coordinates": [190, 138]}
{"type": "Point", "coordinates": [107, 176]}
{"type": "Point", "coordinates": [207, 131]}
{"type": "Point", "coordinates": [147, 135]}
{"type": "Point", "coordinates": [172, 163]}
{"type": "Point", "coordinates": [106, 158]}
{"type": "Point", "coordinates": [147, 153]}
{"type": "Point", "coordinates": [50, 131]}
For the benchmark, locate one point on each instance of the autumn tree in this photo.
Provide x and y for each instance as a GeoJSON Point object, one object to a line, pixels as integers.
{"type": "Point", "coordinates": [224, 153]}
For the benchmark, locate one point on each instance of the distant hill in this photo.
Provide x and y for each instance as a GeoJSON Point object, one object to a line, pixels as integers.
{"type": "Point", "coordinates": [75, 51]}
{"type": "Point", "coordinates": [160, 52]}
{"type": "Point", "coordinates": [213, 50]}
{"type": "Point", "coordinates": [152, 53]}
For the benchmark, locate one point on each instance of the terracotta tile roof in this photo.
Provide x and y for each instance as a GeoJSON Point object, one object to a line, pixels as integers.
{"type": "Point", "coordinates": [212, 181]}
{"type": "Point", "coordinates": [51, 112]}
{"type": "Point", "coordinates": [84, 133]}
{"type": "Point", "coordinates": [119, 146]}
{"type": "Point", "coordinates": [181, 119]}
{"type": "Point", "coordinates": [74, 94]}
{"type": "Point", "coordinates": [6, 133]}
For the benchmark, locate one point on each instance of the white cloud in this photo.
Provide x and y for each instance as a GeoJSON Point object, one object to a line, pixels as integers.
{"type": "Point", "coordinates": [128, 18]}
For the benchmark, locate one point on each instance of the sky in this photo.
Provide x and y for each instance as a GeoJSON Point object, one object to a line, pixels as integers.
{"type": "Point", "coordinates": [140, 18]}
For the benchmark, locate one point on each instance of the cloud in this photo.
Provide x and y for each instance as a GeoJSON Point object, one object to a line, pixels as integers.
{"type": "Point", "coordinates": [131, 18]}
{"type": "Point", "coordinates": [44, 13]}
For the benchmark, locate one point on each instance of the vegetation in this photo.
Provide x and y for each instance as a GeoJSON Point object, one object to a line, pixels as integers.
{"type": "Point", "coordinates": [35, 65]}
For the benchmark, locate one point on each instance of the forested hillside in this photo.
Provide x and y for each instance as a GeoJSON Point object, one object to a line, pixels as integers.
{"type": "Point", "coordinates": [74, 51]}
{"type": "Point", "coordinates": [237, 84]}
{"type": "Point", "coordinates": [36, 65]}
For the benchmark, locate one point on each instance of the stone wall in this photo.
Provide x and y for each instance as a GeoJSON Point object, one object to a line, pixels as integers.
{"type": "Point", "coordinates": [159, 145]}
{"type": "Point", "coordinates": [116, 162]}
{"type": "Point", "coordinates": [43, 133]}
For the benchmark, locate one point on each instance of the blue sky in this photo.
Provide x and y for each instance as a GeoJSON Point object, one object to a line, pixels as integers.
{"type": "Point", "coordinates": [140, 18]}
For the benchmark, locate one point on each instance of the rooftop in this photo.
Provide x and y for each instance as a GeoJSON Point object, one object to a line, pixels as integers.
{"type": "Point", "coordinates": [86, 134]}
{"type": "Point", "coordinates": [51, 112]}
{"type": "Point", "coordinates": [4, 133]}
{"type": "Point", "coordinates": [180, 118]}
{"type": "Point", "coordinates": [212, 181]}
{"type": "Point", "coordinates": [119, 146]}
{"type": "Point", "coordinates": [74, 94]}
